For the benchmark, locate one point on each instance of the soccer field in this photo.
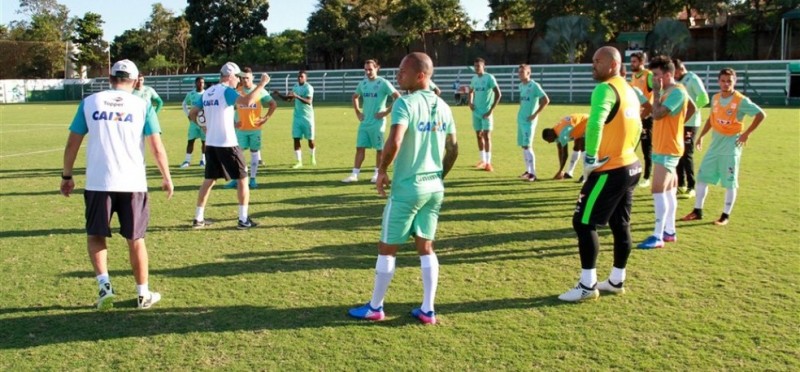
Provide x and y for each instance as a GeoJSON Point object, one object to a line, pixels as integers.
{"type": "Point", "coordinates": [275, 297]}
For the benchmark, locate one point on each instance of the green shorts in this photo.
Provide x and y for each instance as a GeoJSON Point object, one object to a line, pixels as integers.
{"type": "Point", "coordinates": [403, 218]}
{"type": "Point", "coordinates": [720, 170]}
{"type": "Point", "coordinates": [196, 132]}
{"type": "Point", "coordinates": [370, 137]}
{"type": "Point", "coordinates": [303, 130]}
{"type": "Point", "coordinates": [667, 161]}
{"type": "Point", "coordinates": [249, 139]}
{"type": "Point", "coordinates": [525, 134]}
{"type": "Point", "coordinates": [481, 124]}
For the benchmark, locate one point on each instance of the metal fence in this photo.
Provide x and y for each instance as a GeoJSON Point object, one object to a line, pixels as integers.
{"type": "Point", "coordinates": [765, 82]}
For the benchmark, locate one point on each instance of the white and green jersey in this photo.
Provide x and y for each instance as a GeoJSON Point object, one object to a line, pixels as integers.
{"type": "Point", "coordinates": [419, 164]}
{"type": "Point", "coordinates": [694, 86]}
{"type": "Point", "coordinates": [529, 95]}
{"type": "Point", "coordinates": [303, 113]}
{"type": "Point", "coordinates": [483, 86]}
{"type": "Point", "coordinates": [374, 94]}
{"type": "Point", "coordinates": [149, 94]}
{"type": "Point", "coordinates": [188, 102]}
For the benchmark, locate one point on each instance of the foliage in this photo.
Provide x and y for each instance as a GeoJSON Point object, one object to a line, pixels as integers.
{"type": "Point", "coordinates": [669, 37]}
{"type": "Point", "coordinates": [740, 41]}
{"type": "Point", "coordinates": [412, 19]}
{"type": "Point", "coordinates": [219, 26]}
{"type": "Point", "coordinates": [158, 64]}
{"type": "Point", "coordinates": [284, 49]}
{"type": "Point", "coordinates": [132, 45]}
{"type": "Point", "coordinates": [329, 32]}
{"type": "Point", "coordinates": [569, 37]}
{"type": "Point", "coordinates": [92, 47]}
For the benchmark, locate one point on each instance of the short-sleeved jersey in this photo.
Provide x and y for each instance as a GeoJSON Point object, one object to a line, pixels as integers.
{"type": "Point", "coordinates": [374, 94]}
{"type": "Point", "coordinates": [117, 123]}
{"type": "Point", "coordinates": [529, 95]}
{"type": "Point", "coordinates": [148, 94]}
{"type": "Point", "coordinates": [191, 97]}
{"type": "Point", "coordinates": [217, 104]}
{"type": "Point", "coordinates": [571, 127]}
{"type": "Point", "coordinates": [644, 81]}
{"type": "Point", "coordinates": [483, 88]}
{"type": "Point", "coordinates": [668, 131]}
{"type": "Point", "coordinates": [614, 124]}
{"type": "Point", "coordinates": [427, 120]}
{"type": "Point", "coordinates": [302, 110]}
{"type": "Point", "coordinates": [695, 89]}
{"type": "Point", "coordinates": [248, 115]}
{"type": "Point", "coordinates": [727, 116]}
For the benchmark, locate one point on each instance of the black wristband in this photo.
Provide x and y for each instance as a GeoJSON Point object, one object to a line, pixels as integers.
{"type": "Point", "coordinates": [66, 178]}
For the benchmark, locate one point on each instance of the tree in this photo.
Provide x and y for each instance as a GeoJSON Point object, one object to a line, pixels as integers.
{"type": "Point", "coordinates": [219, 26]}
{"type": "Point", "coordinates": [669, 37]}
{"type": "Point", "coordinates": [92, 47]}
{"type": "Point", "coordinates": [131, 44]}
{"type": "Point", "coordinates": [508, 16]}
{"type": "Point", "coordinates": [159, 28]}
{"type": "Point", "coordinates": [412, 19]}
{"type": "Point", "coordinates": [569, 37]}
{"type": "Point", "coordinates": [329, 32]}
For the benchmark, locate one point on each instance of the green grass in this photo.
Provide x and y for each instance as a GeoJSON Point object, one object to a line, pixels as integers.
{"type": "Point", "coordinates": [276, 297]}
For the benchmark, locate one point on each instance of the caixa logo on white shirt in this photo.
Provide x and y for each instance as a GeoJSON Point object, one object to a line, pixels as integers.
{"type": "Point", "coordinates": [112, 116]}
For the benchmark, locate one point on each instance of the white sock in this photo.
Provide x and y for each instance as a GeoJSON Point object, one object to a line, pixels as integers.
{"type": "Point", "coordinates": [532, 161]}
{"type": "Point", "coordinates": [188, 158]}
{"type": "Point", "coordinates": [299, 155]}
{"type": "Point", "coordinates": [488, 157]}
{"type": "Point", "coordinates": [314, 152]}
{"type": "Point", "coordinates": [573, 161]}
{"type": "Point", "coordinates": [203, 158]}
{"type": "Point", "coordinates": [672, 208]}
{"type": "Point", "coordinates": [198, 213]}
{"type": "Point", "coordinates": [102, 279]}
{"type": "Point", "coordinates": [660, 204]}
{"type": "Point", "coordinates": [243, 213]}
{"type": "Point", "coordinates": [257, 153]}
{"type": "Point", "coordinates": [589, 277]}
{"type": "Point", "coordinates": [376, 171]}
{"type": "Point", "coordinates": [384, 271]}
{"type": "Point", "coordinates": [142, 289]}
{"type": "Point", "coordinates": [617, 275]}
{"type": "Point", "coordinates": [356, 171]}
{"type": "Point", "coordinates": [254, 165]}
{"type": "Point", "coordinates": [430, 280]}
{"type": "Point", "coordinates": [702, 190]}
{"type": "Point", "coordinates": [526, 161]}
{"type": "Point", "coordinates": [730, 198]}
{"type": "Point", "coordinates": [483, 156]}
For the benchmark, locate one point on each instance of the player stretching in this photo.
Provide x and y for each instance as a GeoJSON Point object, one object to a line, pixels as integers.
{"type": "Point", "coordinates": [611, 170]}
{"type": "Point", "coordinates": [721, 163]}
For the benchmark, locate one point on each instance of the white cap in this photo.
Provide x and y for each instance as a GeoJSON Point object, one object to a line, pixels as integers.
{"type": "Point", "coordinates": [125, 69]}
{"type": "Point", "coordinates": [230, 68]}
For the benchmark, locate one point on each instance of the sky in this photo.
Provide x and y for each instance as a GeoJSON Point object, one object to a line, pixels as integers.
{"type": "Point", "coordinates": [283, 14]}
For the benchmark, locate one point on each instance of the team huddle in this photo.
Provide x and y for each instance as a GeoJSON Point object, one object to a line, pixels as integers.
{"type": "Point", "coordinates": [658, 109]}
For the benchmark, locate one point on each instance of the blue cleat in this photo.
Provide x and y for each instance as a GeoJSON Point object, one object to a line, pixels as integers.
{"type": "Point", "coordinates": [651, 242]}
{"type": "Point", "coordinates": [425, 318]}
{"type": "Point", "coordinates": [366, 312]}
{"type": "Point", "coordinates": [231, 185]}
{"type": "Point", "coordinates": [253, 184]}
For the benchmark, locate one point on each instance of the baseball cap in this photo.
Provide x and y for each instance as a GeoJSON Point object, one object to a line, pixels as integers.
{"type": "Point", "coordinates": [125, 69]}
{"type": "Point", "coordinates": [230, 68]}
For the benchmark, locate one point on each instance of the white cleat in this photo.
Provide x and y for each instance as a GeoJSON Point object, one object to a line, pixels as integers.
{"type": "Point", "coordinates": [374, 178]}
{"type": "Point", "coordinates": [351, 178]}
{"type": "Point", "coordinates": [148, 301]}
{"type": "Point", "coordinates": [608, 286]}
{"type": "Point", "coordinates": [580, 293]}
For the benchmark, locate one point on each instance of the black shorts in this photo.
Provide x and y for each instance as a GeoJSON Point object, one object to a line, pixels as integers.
{"type": "Point", "coordinates": [607, 195]}
{"type": "Point", "coordinates": [132, 209]}
{"type": "Point", "coordinates": [225, 162]}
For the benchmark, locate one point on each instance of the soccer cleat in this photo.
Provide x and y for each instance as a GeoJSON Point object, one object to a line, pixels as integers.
{"type": "Point", "coordinates": [231, 185]}
{"type": "Point", "coordinates": [608, 286]}
{"type": "Point", "coordinates": [297, 165]}
{"type": "Point", "coordinates": [531, 178]}
{"type": "Point", "coordinates": [253, 184]}
{"type": "Point", "coordinates": [481, 165]}
{"type": "Point", "coordinates": [488, 168]}
{"type": "Point", "coordinates": [374, 178]}
{"type": "Point", "coordinates": [722, 221]}
{"type": "Point", "coordinates": [244, 225]}
{"type": "Point", "coordinates": [651, 242]}
{"type": "Point", "coordinates": [146, 302]}
{"type": "Point", "coordinates": [580, 293]}
{"type": "Point", "coordinates": [105, 299]}
{"type": "Point", "coordinates": [669, 238]}
{"type": "Point", "coordinates": [525, 175]}
{"type": "Point", "coordinates": [185, 164]}
{"type": "Point", "coordinates": [351, 178]}
{"type": "Point", "coordinates": [200, 224]}
{"type": "Point", "coordinates": [644, 183]}
{"type": "Point", "coordinates": [366, 312]}
{"type": "Point", "coordinates": [202, 163]}
{"type": "Point", "coordinates": [567, 176]}
{"type": "Point", "coordinates": [687, 195]}
{"type": "Point", "coordinates": [425, 318]}
{"type": "Point", "coordinates": [313, 160]}
{"type": "Point", "coordinates": [694, 215]}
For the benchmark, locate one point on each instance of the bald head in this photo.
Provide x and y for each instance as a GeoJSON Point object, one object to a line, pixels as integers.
{"type": "Point", "coordinates": [606, 63]}
{"type": "Point", "coordinates": [420, 62]}
{"type": "Point", "coordinates": [415, 71]}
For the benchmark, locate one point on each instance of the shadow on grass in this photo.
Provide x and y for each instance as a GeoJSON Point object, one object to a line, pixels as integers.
{"type": "Point", "coordinates": [89, 325]}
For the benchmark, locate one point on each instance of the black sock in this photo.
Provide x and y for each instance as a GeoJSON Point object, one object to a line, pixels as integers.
{"type": "Point", "coordinates": [698, 212]}
{"type": "Point", "coordinates": [724, 217]}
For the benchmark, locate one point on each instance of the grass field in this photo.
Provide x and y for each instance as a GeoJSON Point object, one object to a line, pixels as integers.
{"type": "Point", "coordinates": [275, 297]}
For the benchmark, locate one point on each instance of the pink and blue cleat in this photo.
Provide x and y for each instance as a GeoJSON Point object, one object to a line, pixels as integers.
{"type": "Point", "coordinates": [424, 317]}
{"type": "Point", "coordinates": [651, 242]}
{"type": "Point", "coordinates": [669, 238]}
{"type": "Point", "coordinates": [366, 312]}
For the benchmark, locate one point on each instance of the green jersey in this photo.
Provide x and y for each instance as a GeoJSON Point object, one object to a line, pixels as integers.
{"type": "Point", "coordinates": [483, 86]}
{"type": "Point", "coordinates": [374, 94]}
{"type": "Point", "coordinates": [726, 145]}
{"type": "Point", "coordinates": [150, 96]}
{"type": "Point", "coordinates": [427, 120]}
{"type": "Point", "coordinates": [303, 112]}
{"type": "Point", "coordinates": [529, 95]}
{"type": "Point", "coordinates": [187, 102]}
{"type": "Point", "coordinates": [698, 95]}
